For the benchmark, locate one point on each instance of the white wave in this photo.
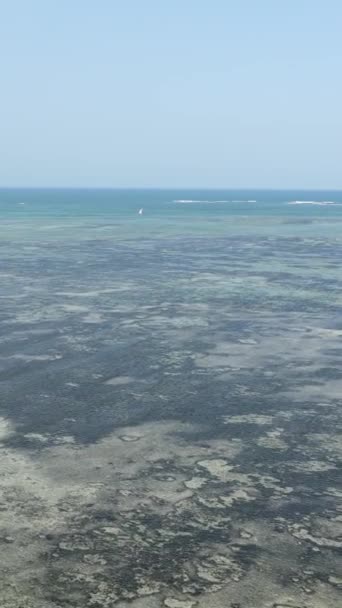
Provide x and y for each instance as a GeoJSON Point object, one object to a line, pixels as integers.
{"type": "Point", "coordinates": [190, 201]}
{"type": "Point", "coordinates": [313, 203]}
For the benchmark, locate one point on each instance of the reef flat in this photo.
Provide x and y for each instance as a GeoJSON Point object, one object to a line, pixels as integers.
{"type": "Point", "coordinates": [170, 422]}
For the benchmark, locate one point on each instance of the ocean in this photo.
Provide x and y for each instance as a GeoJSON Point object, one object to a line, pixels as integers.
{"type": "Point", "coordinates": [168, 211]}
{"type": "Point", "coordinates": [170, 398]}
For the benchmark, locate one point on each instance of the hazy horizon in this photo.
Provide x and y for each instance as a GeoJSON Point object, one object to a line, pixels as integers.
{"type": "Point", "coordinates": [175, 188]}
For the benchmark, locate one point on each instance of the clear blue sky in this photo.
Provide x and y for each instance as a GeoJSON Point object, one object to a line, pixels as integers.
{"type": "Point", "coordinates": [171, 93]}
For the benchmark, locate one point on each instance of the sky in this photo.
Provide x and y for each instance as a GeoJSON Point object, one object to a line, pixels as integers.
{"type": "Point", "coordinates": [179, 93]}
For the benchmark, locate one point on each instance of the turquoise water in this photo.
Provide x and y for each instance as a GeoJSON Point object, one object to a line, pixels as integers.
{"type": "Point", "coordinates": [116, 211]}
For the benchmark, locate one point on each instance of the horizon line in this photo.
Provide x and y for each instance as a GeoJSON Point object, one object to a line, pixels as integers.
{"type": "Point", "coordinates": [170, 188]}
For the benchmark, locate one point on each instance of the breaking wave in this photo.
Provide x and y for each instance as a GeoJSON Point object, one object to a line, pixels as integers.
{"type": "Point", "coordinates": [324, 203]}
{"type": "Point", "coordinates": [189, 201]}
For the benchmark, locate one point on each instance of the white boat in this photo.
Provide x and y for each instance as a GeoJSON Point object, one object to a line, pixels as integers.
{"type": "Point", "coordinates": [141, 211]}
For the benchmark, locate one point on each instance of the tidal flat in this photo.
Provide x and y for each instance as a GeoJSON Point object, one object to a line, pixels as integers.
{"type": "Point", "coordinates": [170, 422]}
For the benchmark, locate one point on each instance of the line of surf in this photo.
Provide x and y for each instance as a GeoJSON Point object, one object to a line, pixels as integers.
{"type": "Point", "coordinates": [321, 203]}
{"type": "Point", "coordinates": [211, 202]}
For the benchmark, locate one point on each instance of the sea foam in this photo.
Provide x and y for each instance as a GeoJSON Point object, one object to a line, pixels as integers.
{"type": "Point", "coordinates": [313, 203]}
{"type": "Point", "coordinates": [189, 201]}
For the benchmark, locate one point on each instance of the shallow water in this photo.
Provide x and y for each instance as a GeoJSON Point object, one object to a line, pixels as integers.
{"type": "Point", "coordinates": [170, 419]}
